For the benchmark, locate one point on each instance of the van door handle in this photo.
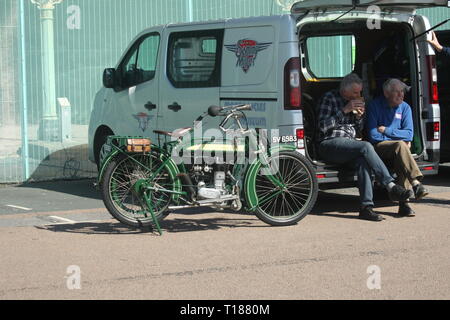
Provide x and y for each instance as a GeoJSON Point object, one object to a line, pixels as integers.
{"type": "Point", "coordinates": [175, 107]}
{"type": "Point", "coordinates": [150, 106]}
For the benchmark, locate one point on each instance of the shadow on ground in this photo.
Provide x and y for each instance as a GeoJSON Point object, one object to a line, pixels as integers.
{"type": "Point", "coordinates": [169, 225]}
{"type": "Point", "coordinates": [81, 188]}
{"type": "Point", "coordinates": [190, 220]}
{"type": "Point", "coordinates": [347, 206]}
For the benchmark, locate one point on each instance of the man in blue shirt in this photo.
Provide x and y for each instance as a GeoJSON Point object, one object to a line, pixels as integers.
{"type": "Point", "coordinates": [390, 128]}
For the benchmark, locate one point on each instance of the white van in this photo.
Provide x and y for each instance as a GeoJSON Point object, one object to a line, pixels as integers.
{"type": "Point", "coordinates": [281, 65]}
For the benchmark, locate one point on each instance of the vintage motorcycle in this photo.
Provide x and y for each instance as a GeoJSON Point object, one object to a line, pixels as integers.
{"type": "Point", "coordinates": [142, 182]}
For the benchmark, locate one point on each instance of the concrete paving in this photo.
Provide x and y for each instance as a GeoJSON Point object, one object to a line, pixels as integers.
{"type": "Point", "coordinates": [221, 255]}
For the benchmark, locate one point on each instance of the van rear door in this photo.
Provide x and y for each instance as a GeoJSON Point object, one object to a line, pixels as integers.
{"type": "Point", "coordinates": [443, 65]}
{"type": "Point", "coordinates": [428, 90]}
{"type": "Point", "coordinates": [402, 5]}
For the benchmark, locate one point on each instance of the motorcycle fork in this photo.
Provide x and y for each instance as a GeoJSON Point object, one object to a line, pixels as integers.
{"type": "Point", "coordinates": [264, 158]}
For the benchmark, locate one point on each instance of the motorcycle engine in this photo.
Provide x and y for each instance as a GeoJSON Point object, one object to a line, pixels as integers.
{"type": "Point", "coordinates": [210, 181]}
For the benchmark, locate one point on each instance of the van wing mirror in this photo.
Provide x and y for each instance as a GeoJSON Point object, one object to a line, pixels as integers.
{"type": "Point", "coordinates": [109, 78]}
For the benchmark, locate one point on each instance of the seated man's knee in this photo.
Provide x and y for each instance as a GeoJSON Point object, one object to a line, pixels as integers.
{"type": "Point", "coordinates": [360, 162]}
{"type": "Point", "coordinates": [400, 146]}
{"type": "Point", "coordinates": [366, 147]}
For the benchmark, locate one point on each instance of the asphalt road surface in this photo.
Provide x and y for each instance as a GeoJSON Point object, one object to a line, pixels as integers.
{"type": "Point", "coordinates": [59, 242]}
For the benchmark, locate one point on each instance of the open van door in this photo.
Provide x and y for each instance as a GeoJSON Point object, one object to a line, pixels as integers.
{"type": "Point", "coordinates": [443, 65]}
{"type": "Point", "coordinates": [403, 5]}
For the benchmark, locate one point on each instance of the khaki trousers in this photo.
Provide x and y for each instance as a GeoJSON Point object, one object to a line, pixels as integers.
{"type": "Point", "coordinates": [397, 156]}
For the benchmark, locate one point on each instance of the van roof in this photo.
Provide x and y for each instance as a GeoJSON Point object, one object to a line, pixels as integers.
{"type": "Point", "coordinates": [259, 20]}
{"type": "Point", "coordinates": [281, 22]}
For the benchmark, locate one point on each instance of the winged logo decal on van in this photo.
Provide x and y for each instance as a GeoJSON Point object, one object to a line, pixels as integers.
{"type": "Point", "coordinates": [144, 120]}
{"type": "Point", "coordinates": [246, 51]}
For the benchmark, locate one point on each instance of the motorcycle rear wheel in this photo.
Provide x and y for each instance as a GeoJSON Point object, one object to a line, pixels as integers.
{"type": "Point", "coordinates": [123, 203]}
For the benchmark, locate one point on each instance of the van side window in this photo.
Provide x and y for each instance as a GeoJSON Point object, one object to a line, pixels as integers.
{"type": "Point", "coordinates": [194, 58]}
{"type": "Point", "coordinates": [330, 56]}
{"type": "Point", "coordinates": [139, 65]}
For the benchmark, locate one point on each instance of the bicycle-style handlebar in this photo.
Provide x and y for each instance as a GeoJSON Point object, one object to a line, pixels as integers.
{"type": "Point", "coordinates": [227, 112]}
{"type": "Point", "coordinates": [214, 111]}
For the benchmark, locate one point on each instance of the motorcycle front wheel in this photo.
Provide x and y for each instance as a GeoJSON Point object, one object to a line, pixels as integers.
{"type": "Point", "coordinates": [120, 196]}
{"type": "Point", "coordinates": [284, 206]}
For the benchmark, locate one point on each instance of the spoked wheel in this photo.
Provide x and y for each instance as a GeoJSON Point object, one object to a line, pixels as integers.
{"type": "Point", "coordinates": [281, 206]}
{"type": "Point", "coordinates": [125, 201]}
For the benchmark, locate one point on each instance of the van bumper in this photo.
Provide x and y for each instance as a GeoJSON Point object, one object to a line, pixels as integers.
{"type": "Point", "coordinates": [345, 176]}
{"type": "Point", "coordinates": [428, 168]}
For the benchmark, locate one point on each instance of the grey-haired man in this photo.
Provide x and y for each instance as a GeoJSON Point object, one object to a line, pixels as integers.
{"type": "Point", "coordinates": [341, 117]}
{"type": "Point", "coordinates": [391, 130]}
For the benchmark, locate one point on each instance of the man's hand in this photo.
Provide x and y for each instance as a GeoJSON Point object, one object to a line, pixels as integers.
{"type": "Point", "coordinates": [381, 129]}
{"type": "Point", "coordinates": [434, 42]}
{"type": "Point", "coordinates": [355, 106]}
{"type": "Point", "coordinates": [360, 112]}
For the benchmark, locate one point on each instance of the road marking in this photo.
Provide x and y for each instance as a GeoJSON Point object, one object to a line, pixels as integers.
{"type": "Point", "coordinates": [62, 219]}
{"type": "Point", "coordinates": [18, 207]}
{"type": "Point", "coordinates": [35, 214]}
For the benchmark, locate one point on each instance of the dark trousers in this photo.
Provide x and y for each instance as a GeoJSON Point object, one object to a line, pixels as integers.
{"type": "Point", "coordinates": [361, 154]}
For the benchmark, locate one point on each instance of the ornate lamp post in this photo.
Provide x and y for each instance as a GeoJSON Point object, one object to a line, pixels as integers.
{"type": "Point", "coordinates": [49, 125]}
